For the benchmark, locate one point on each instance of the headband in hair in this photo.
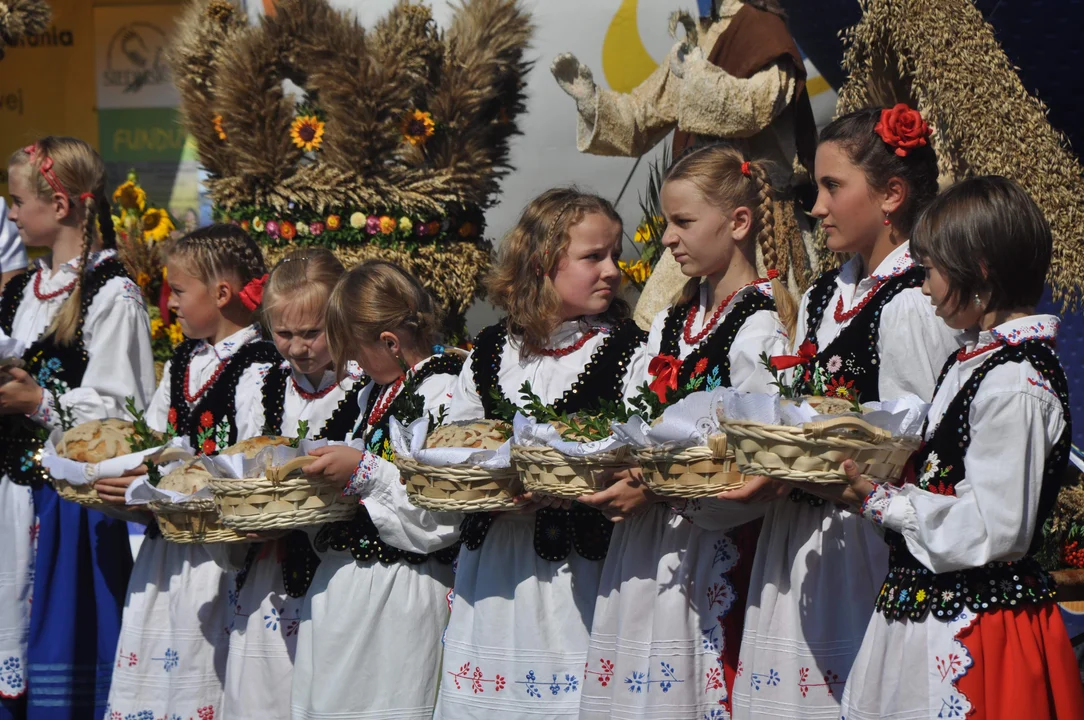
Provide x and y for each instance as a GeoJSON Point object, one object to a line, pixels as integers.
{"type": "Point", "coordinates": [46, 169]}
{"type": "Point", "coordinates": [902, 129]}
{"type": "Point", "coordinates": [252, 293]}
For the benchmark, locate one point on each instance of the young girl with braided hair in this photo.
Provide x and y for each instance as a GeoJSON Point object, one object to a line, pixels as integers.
{"type": "Point", "coordinates": [674, 583]}
{"type": "Point", "coordinates": [865, 331]}
{"type": "Point", "coordinates": [171, 656]}
{"type": "Point", "coordinates": [369, 641]}
{"type": "Point", "coordinates": [87, 332]}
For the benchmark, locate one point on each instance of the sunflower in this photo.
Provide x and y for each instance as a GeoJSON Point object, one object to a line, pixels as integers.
{"type": "Point", "coordinates": [156, 225]}
{"type": "Point", "coordinates": [307, 132]}
{"type": "Point", "coordinates": [143, 280]}
{"type": "Point", "coordinates": [130, 196]}
{"type": "Point", "coordinates": [417, 127]}
{"type": "Point", "coordinates": [157, 326]}
{"type": "Point", "coordinates": [217, 120]}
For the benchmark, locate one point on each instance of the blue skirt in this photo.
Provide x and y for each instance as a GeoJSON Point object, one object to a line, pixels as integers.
{"type": "Point", "coordinates": [80, 581]}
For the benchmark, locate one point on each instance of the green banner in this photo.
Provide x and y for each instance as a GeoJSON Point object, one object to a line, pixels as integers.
{"type": "Point", "coordinates": [141, 135]}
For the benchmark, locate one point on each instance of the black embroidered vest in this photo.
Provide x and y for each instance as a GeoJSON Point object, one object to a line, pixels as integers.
{"type": "Point", "coordinates": [300, 561]}
{"type": "Point", "coordinates": [360, 536]}
{"type": "Point", "coordinates": [558, 531]}
{"type": "Point", "coordinates": [856, 344]}
{"type": "Point", "coordinates": [49, 363]}
{"type": "Point", "coordinates": [713, 354]}
{"type": "Point", "coordinates": [218, 404]}
{"type": "Point", "coordinates": [911, 589]}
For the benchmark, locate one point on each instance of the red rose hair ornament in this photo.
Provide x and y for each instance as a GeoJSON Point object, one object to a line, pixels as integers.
{"type": "Point", "coordinates": [902, 129]}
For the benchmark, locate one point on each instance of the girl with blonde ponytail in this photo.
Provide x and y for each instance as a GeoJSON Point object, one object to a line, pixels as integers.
{"type": "Point", "coordinates": [87, 335]}
{"type": "Point", "coordinates": [671, 600]}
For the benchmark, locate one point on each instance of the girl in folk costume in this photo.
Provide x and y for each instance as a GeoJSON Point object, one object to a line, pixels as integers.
{"type": "Point", "coordinates": [966, 624]}
{"type": "Point", "coordinates": [526, 581]}
{"type": "Point", "coordinates": [671, 601]}
{"type": "Point", "coordinates": [369, 641]}
{"type": "Point", "coordinates": [89, 347]}
{"type": "Point", "coordinates": [299, 393]}
{"type": "Point", "coordinates": [171, 655]}
{"type": "Point", "coordinates": [864, 330]}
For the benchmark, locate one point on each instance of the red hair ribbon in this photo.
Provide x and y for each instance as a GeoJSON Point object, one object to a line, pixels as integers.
{"type": "Point", "coordinates": [86, 196]}
{"type": "Point", "coordinates": [665, 369]}
{"type": "Point", "coordinates": [806, 352]}
{"type": "Point", "coordinates": [773, 274]}
{"type": "Point", "coordinates": [46, 169]}
{"type": "Point", "coordinates": [252, 293]}
{"type": "Point", "coordinates": [745, 169]}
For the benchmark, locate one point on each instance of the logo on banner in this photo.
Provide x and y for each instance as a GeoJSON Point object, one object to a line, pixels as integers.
{"type": "Point", "coordinates": [136, 58]}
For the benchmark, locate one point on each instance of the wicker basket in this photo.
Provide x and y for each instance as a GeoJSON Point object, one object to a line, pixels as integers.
{"type": "Point", "coordinates": [547, 471]}
{"type": "Point", "coordinates": [283, 499]}
{"type": "Point", "coordinates": [815, 452]}
{"type": "Point", "coordinates": [459, 488]}
{"type": "Point", "coordinates": [85, 495]}
{"type": "Point", "coordinates": [694, 472]}
{"type": "Point", "coordinates": [195, 521]}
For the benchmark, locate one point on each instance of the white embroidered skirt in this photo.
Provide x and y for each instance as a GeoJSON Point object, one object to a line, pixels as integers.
{"type": "Point", "coordinates": [517, 640]}
{"type": "Point", "coordinates": [263, 641]}
{"type": "Point", "coordinates": [657, 636]}
{"type": "Point", "coordinates": [18, 533]}
{"type": "Point", "coordinates": [816, 575]}
{"type": "Point", "coordinates": [368, 647]}
{"type": "Point", "coordinates": [171, 655]}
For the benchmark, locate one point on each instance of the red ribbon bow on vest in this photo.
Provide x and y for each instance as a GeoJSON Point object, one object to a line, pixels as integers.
{"type": "Point", "coordinates": [665, 370]}
{"type": "Point", "coordinates": [806, 352]}
{"type": "Point", "coordinates": [252, 293]}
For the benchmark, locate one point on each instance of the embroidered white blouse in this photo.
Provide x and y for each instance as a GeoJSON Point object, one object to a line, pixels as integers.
{"type": "Point", "coordinates": [1015, 421]}
{"type": "Point", "coordinates": [760, 333]}
{"type": "Point", "coordinates": [204, 362]}
{"type": "Point", "coordinates": [549, 376]}
{"type": "Point", "coordinates": [315, 411]}
{"type": "Point", "coordinates": [400, 523]}
{"type": "Point", "coordinates": [913, 344]}
{"type": "Point", "coordinates": [116, 334]}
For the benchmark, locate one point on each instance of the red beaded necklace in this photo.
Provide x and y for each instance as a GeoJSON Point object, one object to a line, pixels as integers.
{"type": "Point", "coordinates": [961, 355]}
{"type": "Point", "coordinates": [193, 397]}
{"type": "Point", "coordinates": [844, 316]}
{"type": "Point", "coordinates": [49, 296]}
{"type": "Point", "coordinates": [687, 335]}
{"type": "Point", "coordinates": [311, 395]}
{"type": "Point", "coordinates": [382, 407]}
{"type": "Point", "coordinates": [569, 349]}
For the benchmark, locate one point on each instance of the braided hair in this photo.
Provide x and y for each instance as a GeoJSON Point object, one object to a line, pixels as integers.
{"type": "Point", "coordinates": [219, 252]}
{"type": "Point", "coordinates": [71, 168]}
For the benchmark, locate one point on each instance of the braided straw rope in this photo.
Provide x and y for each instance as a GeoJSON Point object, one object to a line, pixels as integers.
{"type": "Point", "coordinates": [283, 499]}
{"type": "Point", "coordinates": [192, 522]}
{"type": "Point", "coordinates": [547, 471]}
{"type": "Point", "coordinates": [694, 472]}
{"type": "Point", "coordinates": [459, 488]}
{"type": "Point", "coordinates": [815, 452]}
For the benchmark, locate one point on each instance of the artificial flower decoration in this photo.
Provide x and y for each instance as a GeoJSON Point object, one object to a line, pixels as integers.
{"type": "Point", "coordinates": [130, 196]}
{"type": "Point", "coordinates": [418, 126]}
{"type": "Point", "coordinates": [217, 120]}
{"type": "Point", "coordinates": [357, 220]}
{"type": "Point", "coordinates": [902, 129]}
{"type": "Point", "coordinates": [466, 230]}
{"type": "Point", "coordinates": [334, 222]}
{"type": "Point", "coordinates": [288, 230]}
{"type": "Point", "coordinates": [257, 224]}
{"type": "Point", "coordinates": [157, 225]}
{"type": "Point", "coordinates": [387, 225]}
{"type": "Point", "coordinates": [307, 132]}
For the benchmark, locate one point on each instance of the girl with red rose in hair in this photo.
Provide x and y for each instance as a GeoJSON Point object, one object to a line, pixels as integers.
{"type": "Point", "coordinates": [966, 623]}
{"type": "Point", "coordinates": [673, 585]}
{"type": "Point", "coordinates": [866, 330]}
{"type": "Point", "coordinates": [171, 655]}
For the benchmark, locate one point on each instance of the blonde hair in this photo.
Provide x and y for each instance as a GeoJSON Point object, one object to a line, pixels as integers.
{"type": "Point", "coordinates": [304, 278]}
{"type": "Point", "coordinates": [218, 252]}
{"type": "Point", "coordinates": [378, 296]}
{"type": "Point", "coordinates": [519, 282]}
{"type": "Point", "coordinates": [80, 173]}
{"type": "Point", "coordinates": [717, 172]}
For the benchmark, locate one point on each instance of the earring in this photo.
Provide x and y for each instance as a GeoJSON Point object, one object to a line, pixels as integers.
{"type": "Point", "coordinates": [978, 300]}
{"type": "Point", "coordinates": [887, 221]}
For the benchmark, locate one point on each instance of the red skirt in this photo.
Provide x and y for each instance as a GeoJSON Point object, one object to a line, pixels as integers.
{"type": "Point", "coordinates": [1022, 666]}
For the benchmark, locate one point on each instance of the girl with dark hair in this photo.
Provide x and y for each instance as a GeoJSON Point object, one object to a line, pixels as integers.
{"type": "Point", "coordinates": [863, 330]}
{"type": "Point", "coordinates": [966, 622]}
